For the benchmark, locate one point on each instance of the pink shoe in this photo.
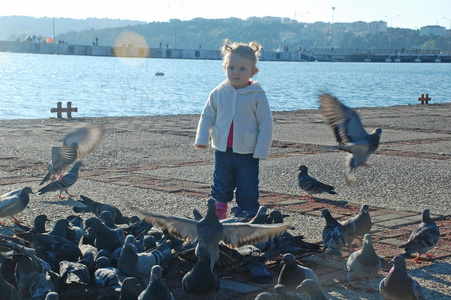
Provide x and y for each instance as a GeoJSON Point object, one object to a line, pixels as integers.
{"type": "Point", "coordinates": [221, 210]}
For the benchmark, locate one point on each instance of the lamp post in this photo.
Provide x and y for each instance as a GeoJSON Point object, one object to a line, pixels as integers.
{"type": "Point", "coordinates": [389, 36]}
{"type": "Point", "coordinates": [332, 29]}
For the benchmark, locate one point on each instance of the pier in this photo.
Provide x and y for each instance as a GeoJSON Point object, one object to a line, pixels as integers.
{"type": "Point", "coordinates": [315, 54]}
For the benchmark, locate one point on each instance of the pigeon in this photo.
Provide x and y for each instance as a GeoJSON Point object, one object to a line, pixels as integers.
{"type": "Point", "coordinates": [311, 185]}
{"type": "Point", "coordinates": [105, 275]}
{"type": "Point", "coordinates": [350, 134]}
{"type": "Point", "coordinates": [280, 292]}
{"type": "Point", "coordinates": [54, 249]}
{"type": "Point", "coordinates": [97, 208]}
{"type": "Point", "coordinates": [9, 291]}
{"type": "Point", "coordinates": [264, 296]}
{"type": "Point", "coordinates": [74, 273]}
{"type": "Point", "coordinates": [14, 202]}
{"type": "Point", "coordinates": [201, 282]}
{"type": "Point", "coordinates": [68, 179]}
{"type": "Point", "coordinates": [334, 234]}
{"type": "Point", "coordinates": [363, 263]}
{"type": "Point", "coordinates": [358, 225]}
{"type": "Point", "coordinates": [398, 284]}
{"type": "Point", "coordinates": [209, 231]}
{"type": "Point", "coordinates": [39, 224]}
{"type": "Point", "coordinates": [52, 296]}
{"type": "Point", "coordinates": [130, 289]}
{"type": "Point", "coordinates": [292, 274]}
{"type": "Point", "coordinates": [156, 289]}
{"type": "Point", "coordinates": [75, 146]}
{"type": "Point", "coordinates": [139, 265]}
{"type": "Point", "coordinates": [311, 290]}
{"type": "Point", "coordinates": [34, 277]}
{"type": "Point", "coordinates": [106, 238]}
{"type": "Point", "coordinates": [423, 238]}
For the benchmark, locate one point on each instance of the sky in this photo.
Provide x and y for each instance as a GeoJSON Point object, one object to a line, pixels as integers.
{"type": "Point", "coordinates": [397, 13]}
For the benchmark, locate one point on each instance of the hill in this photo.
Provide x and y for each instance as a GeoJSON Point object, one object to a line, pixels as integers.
{"type": "Point", "coordinates": [274, 33]}
{"type": "Point", "coordinates": [18, 27]}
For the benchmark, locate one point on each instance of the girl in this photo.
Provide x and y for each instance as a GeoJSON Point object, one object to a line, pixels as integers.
{"type": "Point", "coordinates": [238, 121]}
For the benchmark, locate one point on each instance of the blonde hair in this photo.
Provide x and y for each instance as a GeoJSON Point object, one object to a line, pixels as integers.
{"type": "Point", "coordinates": [250, 51]}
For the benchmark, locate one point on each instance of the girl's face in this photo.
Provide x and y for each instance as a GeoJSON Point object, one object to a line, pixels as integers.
{"type": "Point", "coordinates": [239, 70]}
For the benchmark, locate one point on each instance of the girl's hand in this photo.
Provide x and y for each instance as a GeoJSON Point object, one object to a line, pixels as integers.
{"type": "Point", "coordinates": [200, 146]}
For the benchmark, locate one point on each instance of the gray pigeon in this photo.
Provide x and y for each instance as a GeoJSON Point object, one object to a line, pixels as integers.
{"type": "Point", "coordinates": [358, 225]}
{"type": "Point", "coordinates": [156, 289]}
{"type": "Point", "coordinates": [209, 231]}
{"type": "Point", "coordinates": [280, 292]}
{"type": "Point", "coordinates": [264, 296]}
{"type": "Point", "coordinates": [311, 185]}
{"type": "Point", "coordinates": [350, 134]}
{"type": "Point", "coordinates": [292, 274]}
{"type": "Point", "coordinates": [52, 296]}
{"type": "Point", "coordinates": [334, 234]}
{"type": "Point", "coordinates": [423, 238]}
{"type": "Point", "coordinates": [130, 289]}
{"type": "Point", "coordinates": [106, 238]}
{"type": "Point", "coordinates": [363, 263]}
{"type": "Point", "coordinates": [139, 265]}
{"type": "Point", "coordinates": [398, 285]}
{"type": "Point", "coordinates": [14, 202]}
{"type": "Point", "coordinates": [8, 291]}
{"type": "Point", "coordinates": [74, 273]}
{"type": "Point", "coordinates": [68, 179]}
{"type": "Point", "coordinates": [201, 282]}
{"type": "Point", "coordinates": [97, 208]}
{"type": "Point", "coordinates": [311, 290]}
{"type": "Point", "coordinates": [75, 145]}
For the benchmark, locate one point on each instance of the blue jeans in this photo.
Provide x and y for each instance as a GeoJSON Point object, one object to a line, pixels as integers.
{"type": "Point", "coordinates": [240, 171]}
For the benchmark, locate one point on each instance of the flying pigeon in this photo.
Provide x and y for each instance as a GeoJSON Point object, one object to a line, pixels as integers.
{"type": "Point", "coordinates": [398, 284]}
{"type": "Point", "coordinates": [75, 146]}
{"type": "Point", "coordinates": [292, 274]}
{"type": "Point", "coordinates": [97, 208]}
{"type": "Point", "coordinates": [311, 185]}
{"type": "Point", "coordinates": [363, 263]}
{"type": "Point", "coordinates": [156, 289]}
{"type": "Point", "coordinates": [350, 134]}
{"type": "Point", "coordinates": [209, 231]}
{"type": "Point", "coordinates": [358, 225]}
{"type": "Point", "coordinates": [311, 289]}
{"type": "Point", "coordinates": [423, 238]}
{"type": "Point", "coordinates": [334, 234]}
{"type": "Point", "coordinates": [68, 179]}
{"type": "Point", "coordinates": [201, 282]}
{"type": "Point", "coordinates": [14, 202]}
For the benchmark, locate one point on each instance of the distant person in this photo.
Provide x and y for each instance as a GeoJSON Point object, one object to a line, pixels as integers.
{"type": "Point", "coordinates": [238, 121]}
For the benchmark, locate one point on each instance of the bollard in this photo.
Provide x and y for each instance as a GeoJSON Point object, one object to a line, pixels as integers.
{"type": "Point", "coordinates": [59, 110]}
{"type": "Point", "coordinates": [423, 99]}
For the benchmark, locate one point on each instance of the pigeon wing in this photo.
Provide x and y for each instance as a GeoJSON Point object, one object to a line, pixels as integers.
{"type": "Point", "coordinates": [239, 234]}
{"type": "Point", "coordinates": [62, 157]}
{"type": "Point", "coordinates": [345, 122]}
{"type": "Point", "coordinates": [85, 139]}
{"type": "Point", "coordinates": [182, 228]}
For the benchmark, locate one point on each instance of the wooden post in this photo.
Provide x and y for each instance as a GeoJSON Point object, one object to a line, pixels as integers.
{"type": "Point", "coordinates": [424, 99]}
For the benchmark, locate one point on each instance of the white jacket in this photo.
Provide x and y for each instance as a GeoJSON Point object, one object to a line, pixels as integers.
{"type": "Point", "coordinates": [249, 110]}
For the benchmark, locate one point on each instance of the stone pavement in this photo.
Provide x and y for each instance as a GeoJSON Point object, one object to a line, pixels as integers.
{"type": "Point", "coordinates": [152, 161]}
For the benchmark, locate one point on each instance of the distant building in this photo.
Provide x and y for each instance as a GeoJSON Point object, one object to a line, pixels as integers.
{"type": "Point", "coordinates": [433, 30]}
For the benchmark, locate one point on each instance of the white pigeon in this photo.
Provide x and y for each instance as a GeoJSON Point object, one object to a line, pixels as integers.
{"type": "Point", "coordinates": [14, 202]}
{"type": "Point", "coordinates": [210, 232]}
{"type": "Point", "coordinates": [350, 134]}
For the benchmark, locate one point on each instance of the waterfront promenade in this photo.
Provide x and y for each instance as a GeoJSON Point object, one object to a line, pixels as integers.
{"type": "Point", "coordinates": [151, 162]}
{"type": "Point", "coordinates": [320, 54]}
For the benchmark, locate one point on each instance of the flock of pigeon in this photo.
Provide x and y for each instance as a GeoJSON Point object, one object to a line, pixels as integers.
{"type": "Point", "coordinates": [112, 256]}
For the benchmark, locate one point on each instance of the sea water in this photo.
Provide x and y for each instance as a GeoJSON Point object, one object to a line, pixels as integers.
{"type": "Point", "coordinates": [31, 84]}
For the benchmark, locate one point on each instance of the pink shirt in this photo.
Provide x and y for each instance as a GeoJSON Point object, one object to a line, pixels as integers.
{"type": "Point", "coordinates": [230, 137]}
